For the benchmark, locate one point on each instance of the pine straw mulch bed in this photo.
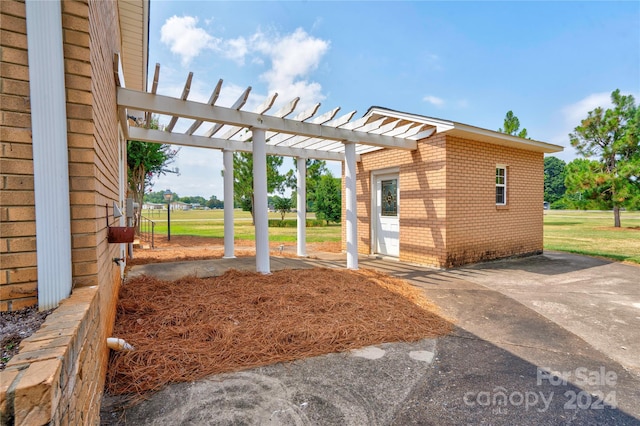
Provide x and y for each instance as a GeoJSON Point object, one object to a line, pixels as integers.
{"type": "Point", "coordinates": [194, 327]}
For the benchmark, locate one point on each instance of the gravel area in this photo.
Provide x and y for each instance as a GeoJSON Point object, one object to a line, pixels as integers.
{"type": "Point", "coordinates": [15, 326]}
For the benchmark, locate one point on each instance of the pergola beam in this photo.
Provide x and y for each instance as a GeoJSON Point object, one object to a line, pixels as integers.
{"type": "Point", "coordinates": [157, 136]}
{"type": "Point", "coordinates": [199, 111]}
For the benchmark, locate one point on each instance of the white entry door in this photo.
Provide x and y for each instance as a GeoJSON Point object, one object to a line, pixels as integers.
{"type": "Point", "coordinates": [387, 217]}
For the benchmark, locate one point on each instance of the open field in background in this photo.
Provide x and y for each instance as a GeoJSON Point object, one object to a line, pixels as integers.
{"type": "Point", "coordinates": [584, 232]}
{"type": "Point", "coordinates": [209, 223]}
{"type": "Point", "coordinates": [592, 233]}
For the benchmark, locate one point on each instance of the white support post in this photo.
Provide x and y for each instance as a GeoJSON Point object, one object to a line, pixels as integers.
{"type": "Point", "coordinates": [229, 249]}
{"type": "Point", "coordinates": [352, 219]}
{"type": "Point", "coordinates": [260, 207]}
{"type": "Point", "coordinates": [50, 151]}
{"type": "Point", "coordinates": [302, 205]}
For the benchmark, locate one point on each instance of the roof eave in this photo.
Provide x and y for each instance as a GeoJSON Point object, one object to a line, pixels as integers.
{"type": "Point", "coordinates": [497, 138]}
{"type": "Point", "coordinates": [464, 130]}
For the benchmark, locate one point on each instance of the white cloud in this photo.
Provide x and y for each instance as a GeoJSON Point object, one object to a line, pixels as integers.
{"type": "Point", "coordinates": [288, 62]}
{"type": "Point", "coordinates": [434, 100]}
{"type": "Point", "coordinates": [293, 57]}
{"type": "Point", "coordinates": [236, 49]}
{"type": "Point", "coordinates": [185, 38]}
{"type": "Point", "coordinates": [571, 115]}
{"type": "Point", "coordinates": [578, 111]}
{"type": "Point", "coordinates": [433, 62]}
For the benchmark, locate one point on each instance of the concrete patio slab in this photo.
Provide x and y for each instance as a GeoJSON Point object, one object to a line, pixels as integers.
{"type": "Point", "coordinates": [518, 355]}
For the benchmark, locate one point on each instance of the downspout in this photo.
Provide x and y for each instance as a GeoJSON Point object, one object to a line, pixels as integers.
{"type": "Point", "coordinates": [50, 152]}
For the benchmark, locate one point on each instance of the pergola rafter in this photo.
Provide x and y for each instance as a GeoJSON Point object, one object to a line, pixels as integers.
{"type": "Point", "coordinates": [185, 95]}
{"type": "Point", "coordinates": [212, 100]}
{"type": "Point", "coordinates": [239, 103]}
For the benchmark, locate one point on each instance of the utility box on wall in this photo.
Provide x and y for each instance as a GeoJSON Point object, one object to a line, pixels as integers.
{"type": "Point", "coordinates": [120, 234]}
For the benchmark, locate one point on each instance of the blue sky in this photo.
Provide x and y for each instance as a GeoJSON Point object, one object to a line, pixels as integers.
{"type": "Point", "coordinates": [471, 62]}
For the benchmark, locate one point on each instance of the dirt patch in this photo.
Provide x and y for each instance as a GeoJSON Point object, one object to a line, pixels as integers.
{"type": "Point", "coordinates": [191, 328]}
{"type": "Point", "coordinates": [182, 248]}
{"type": "Point", "coordinates": [620, 229]}
{"type": "Point", "coordinates": [16, 326]}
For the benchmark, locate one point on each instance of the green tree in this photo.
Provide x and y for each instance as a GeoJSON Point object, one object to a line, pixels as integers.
{"type": "Point", "coordinates": [553, 179]}
{"type": "Point", "coordinates": [243, 179]}
{"type": "Point", "coordinates": [315, 170]}
{"type": "Point", "coordinates": [197, 199]}
{"type": "Point", "coordinates": [282, 205]}
{"type": "Point", "coordinates": [214, 203]}
{"type": "Point", "coordinates": [512, 126]}
{"type": "Point", "coordinates": [156, 197]}
{"type": "Point", "coordinates": [329, 199]}
{"type": "Point", "coordinates": [610, 137]}
{"type": "Point", "coordinates": [585, 185]}
{"type": "Point", "coordinates": [144, 161]}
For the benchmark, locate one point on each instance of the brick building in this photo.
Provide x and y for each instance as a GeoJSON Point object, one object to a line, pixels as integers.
{"type": "Point", "coordinates": [465, 195]}
{"type": "Point", "coordinates": [63, 159]}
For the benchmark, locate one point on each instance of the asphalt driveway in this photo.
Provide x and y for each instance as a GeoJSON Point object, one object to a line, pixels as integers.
{"type": "Point", "coordinates": [550, 339]}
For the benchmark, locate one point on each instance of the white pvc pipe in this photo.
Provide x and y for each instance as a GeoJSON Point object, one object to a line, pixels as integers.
{"type": "Point", "coordinates": [260, 207]}
{"type": "Point", "coordinates": [50, 157]}
{"type": "Point", "coordinates": [302, 206]}
{"type": "Point", "coordinates": [227, 159]}
{"type": "Point", "coordinates": [351, 204]}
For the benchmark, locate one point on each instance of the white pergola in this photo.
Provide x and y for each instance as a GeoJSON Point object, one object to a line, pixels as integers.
{"type": "Point", "coordinates": [305, 135]}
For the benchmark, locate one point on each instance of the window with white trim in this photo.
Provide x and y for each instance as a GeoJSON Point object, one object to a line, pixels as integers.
{"type": "Point", "coordinates": [501, 185]}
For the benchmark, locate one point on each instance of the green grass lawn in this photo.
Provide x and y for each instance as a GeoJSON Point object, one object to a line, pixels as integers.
{"type": "Point", "coordinates": [591, 233]}
{"type": "Point", "coordinates": [209, 223]}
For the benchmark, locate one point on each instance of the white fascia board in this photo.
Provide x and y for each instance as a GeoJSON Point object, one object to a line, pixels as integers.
{"type": "Point", "coordinates": [199, 111]}
{"type": "Point", "coordinates": [498, 138]}
{"type": "Point", "coordinates": [465, 130]}
{"type": "Point", "coordinates": [158, 136]}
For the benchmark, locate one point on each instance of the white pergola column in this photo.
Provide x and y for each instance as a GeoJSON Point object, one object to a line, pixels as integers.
{"type": "Point", "coordinates": [302, 205]}
{"type": "Point", "coordinates": [260, 207]}
{"type": "Point", "coordinates": [352, 226]}
{"type": "Point", "coordinates": [227, 160]}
